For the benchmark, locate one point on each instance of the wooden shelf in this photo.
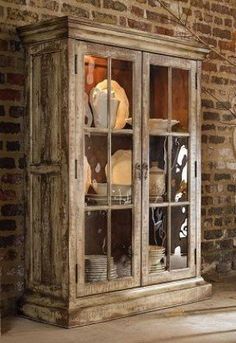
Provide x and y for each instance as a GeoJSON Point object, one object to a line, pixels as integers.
{"type": "Point", "coordinates": [98, 131]}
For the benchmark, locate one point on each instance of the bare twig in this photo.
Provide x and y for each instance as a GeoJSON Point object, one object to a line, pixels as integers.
{"type": "Point", "coordinates": [194, 34]}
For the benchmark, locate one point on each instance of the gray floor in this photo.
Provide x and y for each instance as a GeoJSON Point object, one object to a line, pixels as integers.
{"type": "Point", "coordinates": [213, 321]}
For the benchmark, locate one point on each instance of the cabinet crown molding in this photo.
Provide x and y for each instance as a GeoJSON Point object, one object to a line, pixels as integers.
{"type": "Point", "coordinates": [86, 30]}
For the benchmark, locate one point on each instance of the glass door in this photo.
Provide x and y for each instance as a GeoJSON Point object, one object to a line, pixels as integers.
{"type": "Point", "coordinates": [169, 153]}
{"type": "Point", "coordinates": [109, 153]}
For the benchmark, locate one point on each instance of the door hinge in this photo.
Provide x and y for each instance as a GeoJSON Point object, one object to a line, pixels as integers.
{"type": "Point", "coordinates": [76, 273]}
{"type": "Point", "coordinates": [76, 60]}
{"type": "Point", "coordinates": [195, 256]}
{"type": "Point", "coordinates": [196, 81]}
{"type": "Point", "coordinates": [195, 168]}
{"type": "Point", "coordinates": [76, 175]}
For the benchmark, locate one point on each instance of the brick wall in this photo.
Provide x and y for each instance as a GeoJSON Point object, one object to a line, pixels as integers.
{"type": "Point", "coordinates": [215, 22]}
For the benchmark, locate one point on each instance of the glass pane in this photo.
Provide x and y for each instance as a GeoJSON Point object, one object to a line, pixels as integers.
{"type": "Point", "coordinates": [158, 116]}
{"type": "Point", "coordinates": [179, 237]}
{"type": "Point", "coordinates": [158, 169]}
{"type": "Point", "coordinates": [121, 243]}
{"type": "Point", "coordinates": [179, 169]}
{"type": "Point", "coordinates": [121, 169]}
{"type": "Point", "coordinates": [95, 95]}
{"type": "Point", "coordinates": [94, 169]}
{"type": "Point", "coordinates": [95, 246]}
{"type": "Point", "coordinates": [180, 100]}
{"type": "Point", "coordinates": [157, 239]}
{"type": "Point", "coordinates": [121, 91]}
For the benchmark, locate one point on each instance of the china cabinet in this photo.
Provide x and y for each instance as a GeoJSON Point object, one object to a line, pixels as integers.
{"type": "Point", "coordinates": [113, 172]}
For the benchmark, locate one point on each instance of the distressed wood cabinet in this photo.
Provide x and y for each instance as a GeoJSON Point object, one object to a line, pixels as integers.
{"type": "Point", "coordinates": [113, 173]}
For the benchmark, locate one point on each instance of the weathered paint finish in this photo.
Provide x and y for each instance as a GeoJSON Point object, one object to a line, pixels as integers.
{"type": "Point", "coordinates": [54, 140]}
{"type": "Point", "coordinates": [47, 169]}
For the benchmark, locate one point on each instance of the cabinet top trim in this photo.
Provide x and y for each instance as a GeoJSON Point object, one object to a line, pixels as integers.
{"type": "Point", "coordinates": [85, 30]}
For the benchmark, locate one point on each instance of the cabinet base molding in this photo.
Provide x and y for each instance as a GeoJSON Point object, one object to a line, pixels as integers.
{"type": "Point", "coordinates": [104, 307]}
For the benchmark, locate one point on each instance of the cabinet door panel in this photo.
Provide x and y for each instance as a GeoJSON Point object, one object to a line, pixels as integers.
{"type": "Point", "coordinates": [108, 146]}
{"type": "Point", "coordinates": [169, 224]}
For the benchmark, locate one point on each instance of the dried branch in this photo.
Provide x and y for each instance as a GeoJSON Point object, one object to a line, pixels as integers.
{"type": "Point", "coordinates": [194, 34]}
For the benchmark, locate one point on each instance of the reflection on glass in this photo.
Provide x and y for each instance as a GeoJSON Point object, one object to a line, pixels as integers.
{"type": "Point", "coordinates": [94, 169]}
{"type": "Point", "coordinates": [122, 91]}
{"type": "Point", "coordinates": [180, 98]}
{"type": "Point", "coordinates": [179, 169]}
{"type": "Point", "coordinates": [179, 237]}
{"type": "Point", "coordinates": [121, 243]}
{"type": "Point", "coordinates": [157, 239]}
{"type": "Point", "coordinates": [121, 169]}
{"type": "Point", "coordinates": [158, 169]}
{"type": "Point", "coordinates": [95, 246]}
{"type": "Point", "coordinates": [95, 95]}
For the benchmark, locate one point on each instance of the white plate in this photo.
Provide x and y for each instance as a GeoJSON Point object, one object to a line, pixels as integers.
{"type": "Point", "coordinates": [121, 168]}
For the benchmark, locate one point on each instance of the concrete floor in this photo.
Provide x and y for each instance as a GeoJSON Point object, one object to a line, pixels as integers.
{"type": "Point", "coordinates": [212, 321]}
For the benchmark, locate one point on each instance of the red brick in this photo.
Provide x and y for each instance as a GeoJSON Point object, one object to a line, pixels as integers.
{"type": "Point", "coordinates": [15, 79]}
{"type": "Point", "coordinates": [114, 5]}
{"type": "Point", "coordinates": [229, 46]}
{"type": "Point", "coordinates": [220, 9]}
{"type": "Point", "coordinates": [203, 28]}
{"type": "Point", "coordinates": [3, 45]}
{"type": "Point", "coordinates": [222, 33]}
{"type": "Point", "coordinates": [208, 66]}
{"type": "Point", "coordinates": [137, 11]}
{"type": "Point", "coordinates": [7, 195]}
{"type": "Point", "coordinates": [13, 179]}
{"type": "Point", "coordinates": [10, 94]}
{"type": "Point", "coordinates": [164, 31]}
{"type": "Point", "coordinates": [139, 25]}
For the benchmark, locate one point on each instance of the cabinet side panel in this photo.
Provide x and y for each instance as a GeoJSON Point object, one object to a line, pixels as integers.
{"type": "Point", "coordinates": [47, 170]}
{"type": "Point", "coordinates": [46, 200]}
{"type": "Point", "coordinates": [46, 108]}
{"type": "Point", "coordinates": [36, 227]}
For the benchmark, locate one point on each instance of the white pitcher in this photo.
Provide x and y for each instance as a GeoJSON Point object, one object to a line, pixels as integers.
{"type": "Point", "coordinates": [98, 101]}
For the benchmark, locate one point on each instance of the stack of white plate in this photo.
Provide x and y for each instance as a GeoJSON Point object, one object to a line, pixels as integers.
{"type": "Point", "coordinates": [124, 268]}
{"type": "Point", "coordinates": [96, 268]}
{"type": "Point", "coordinates": [156, 258]}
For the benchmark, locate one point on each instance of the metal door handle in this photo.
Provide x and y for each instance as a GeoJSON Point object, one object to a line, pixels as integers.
{"type": "Point", "coordinates": [145, 170]}
{"type": "Point", "coordinates": [138, 171]}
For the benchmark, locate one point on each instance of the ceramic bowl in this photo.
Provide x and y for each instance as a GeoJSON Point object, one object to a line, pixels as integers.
{"type": "Point", "coordinates": [121, 190]}
{"type": "Point", "coordinates": [160, 124]}
{"type": "Point", "coordinates": [100, 188]}
{"type": "Point", "coordinates": [157, 123]}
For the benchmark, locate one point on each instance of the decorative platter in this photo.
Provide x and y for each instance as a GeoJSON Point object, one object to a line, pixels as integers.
{"type": "Point", "coordinates": [121, 167]}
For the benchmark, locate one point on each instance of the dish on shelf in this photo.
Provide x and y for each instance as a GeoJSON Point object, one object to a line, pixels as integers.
{"type": "Point", "coordinates": [156, 258]}
{"type": "Point", "coordinates": [121, 190]}
{"type": "Point", "coordinates": [100, 188]}
{"type": "Point", "coordinates": [87, 175]}
{"type": "Point", "coordinates": [120, 97]}
{"type": "Point", "coordinates": [103, 200]}
{"type": "Point", "coordinates": [96, 268]}
{"type": "Point", "coordinates": [116, 190]}
{"type": "Point", "coordinates": [157, 124]}
{"type": "Point", "coordinates": [98, 101]}
{"type": "Point", "coordinates": [121, 168]}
